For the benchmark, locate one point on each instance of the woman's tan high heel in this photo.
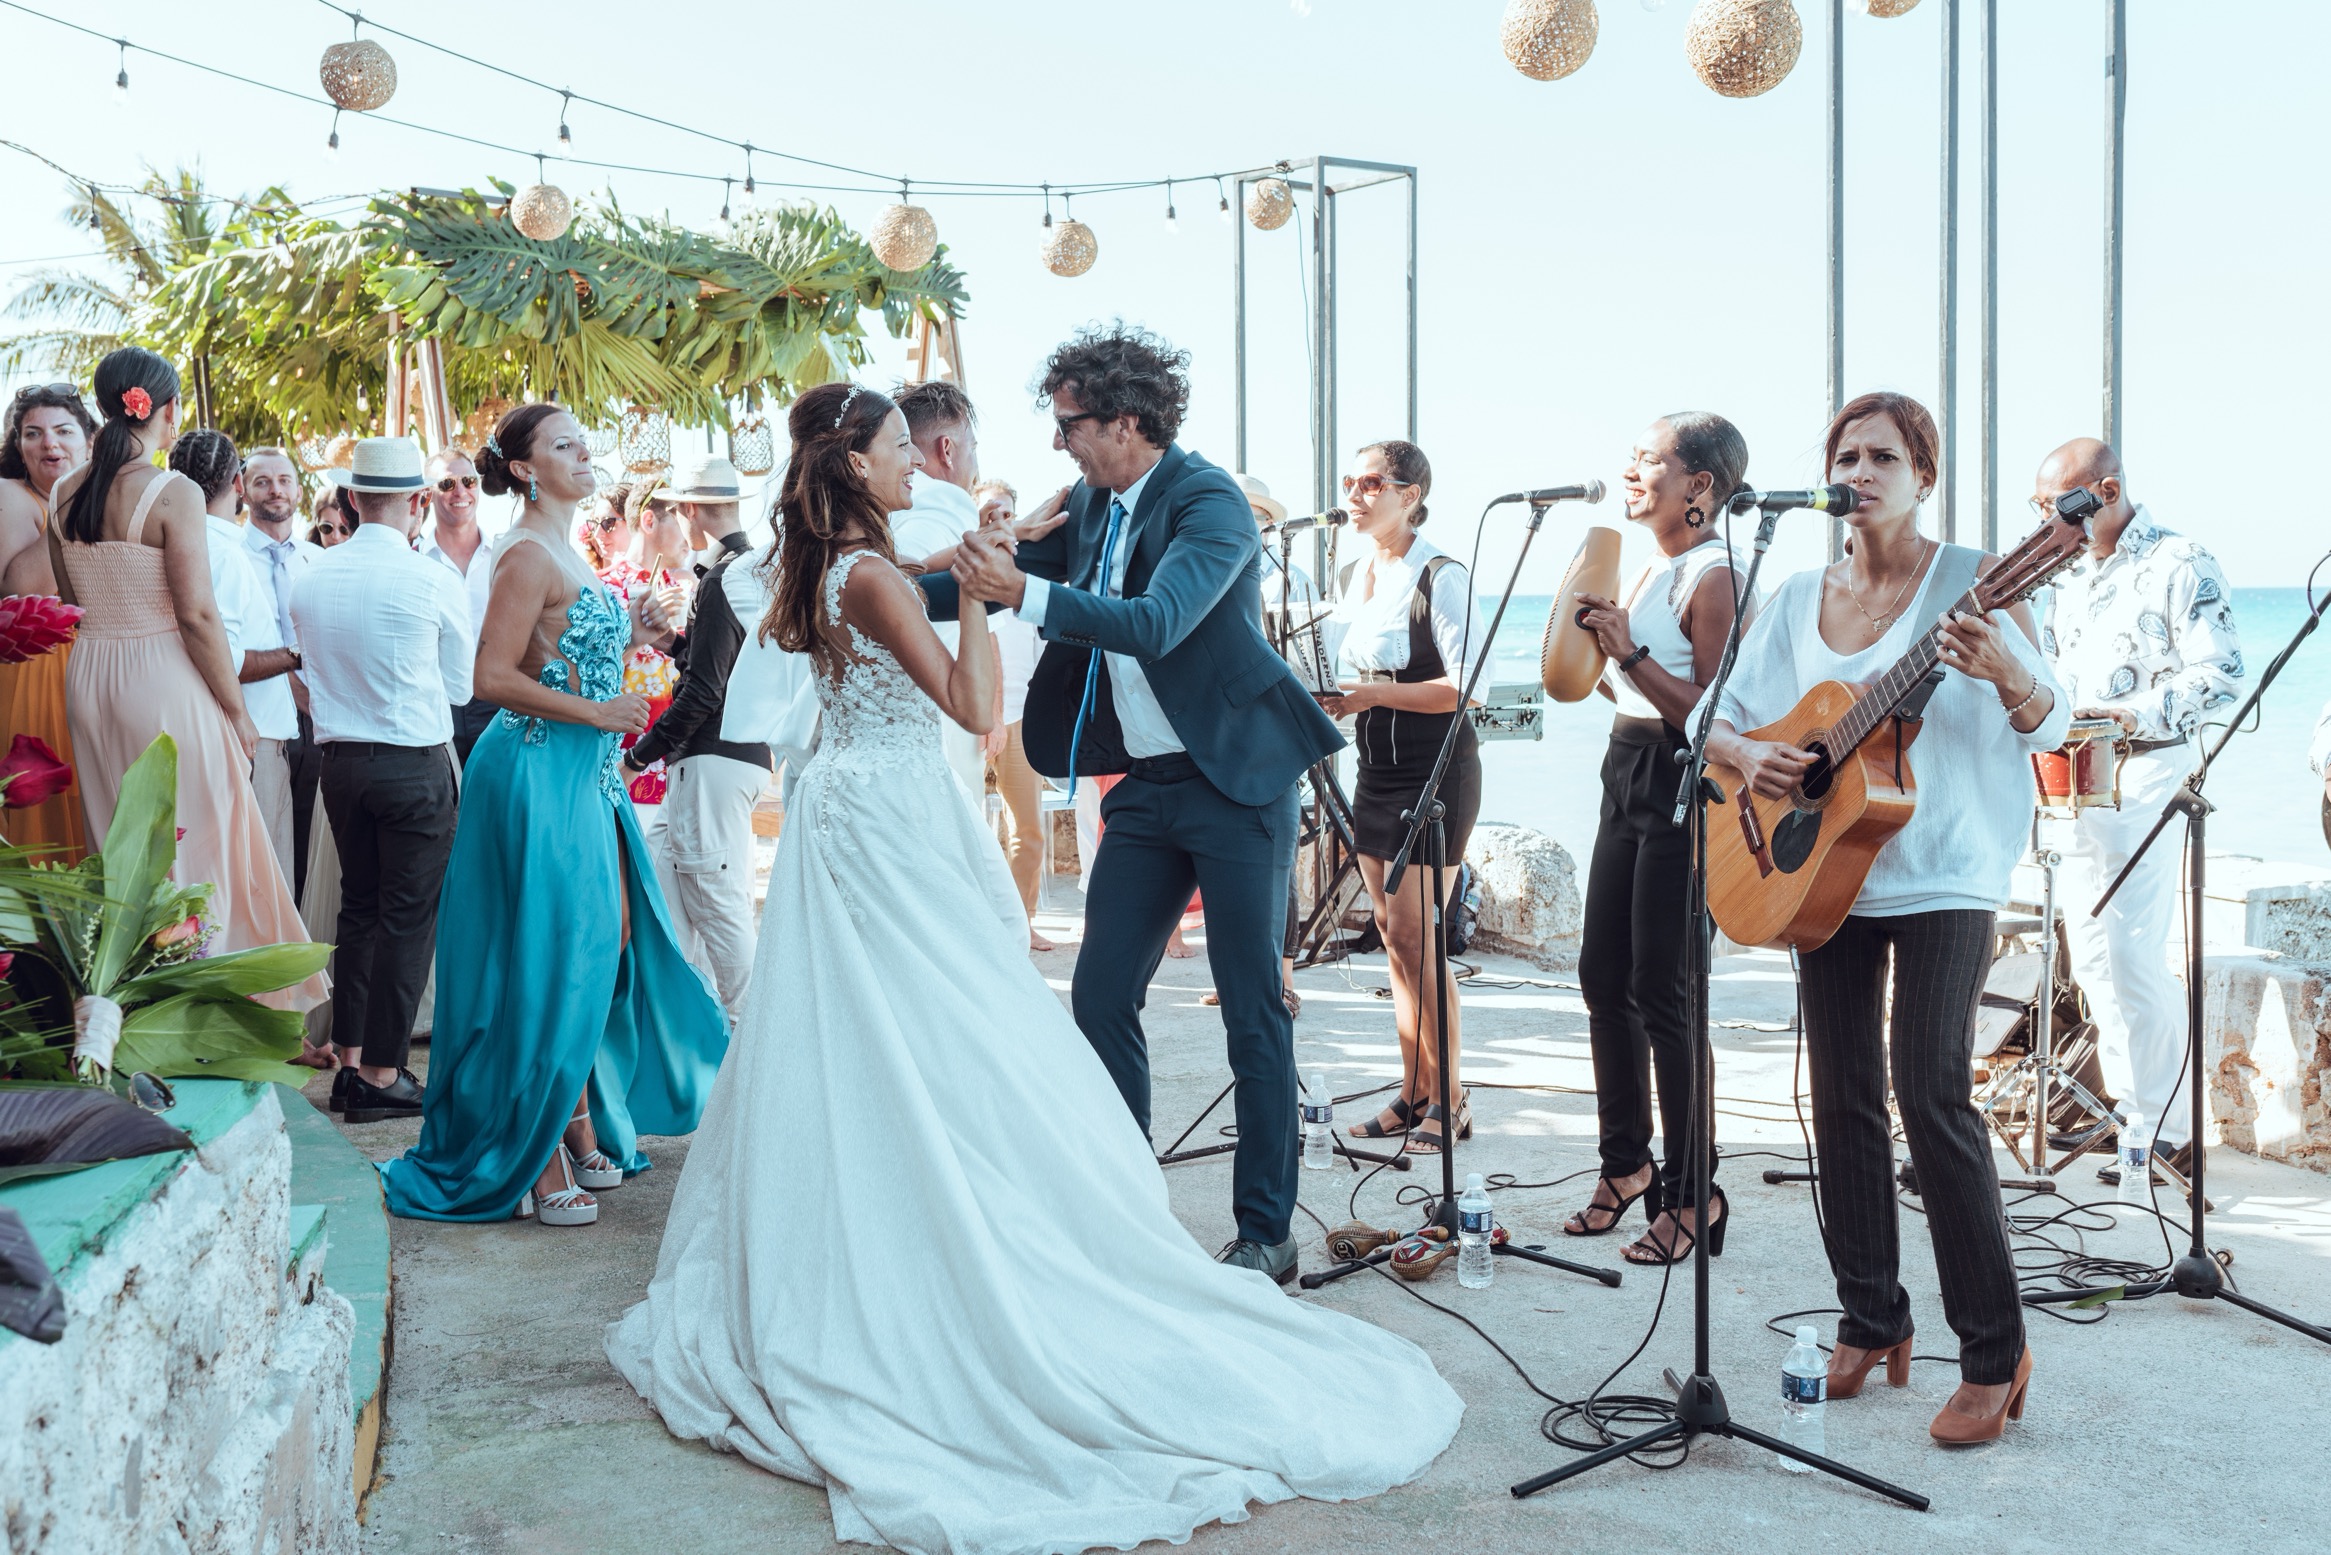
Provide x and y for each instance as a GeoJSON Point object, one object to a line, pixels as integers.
{"type": "Point", "coordinates": [1959, 1428]}
{"type": "Point", "coordinates": [1846, 1380]}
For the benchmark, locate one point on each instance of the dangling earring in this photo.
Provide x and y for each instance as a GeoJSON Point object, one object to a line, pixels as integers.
{"type": "Point", "coordinates": [1694, 517]}
{"type": "Point", "coordinates": [533, 489]}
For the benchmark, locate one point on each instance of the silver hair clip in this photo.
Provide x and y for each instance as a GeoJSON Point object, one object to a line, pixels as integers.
{"type": "Point", "coordinates": [845, 410]}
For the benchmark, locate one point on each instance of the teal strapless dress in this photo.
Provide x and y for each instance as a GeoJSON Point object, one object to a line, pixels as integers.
{"type": "Point", "coordinates": [536, 987]}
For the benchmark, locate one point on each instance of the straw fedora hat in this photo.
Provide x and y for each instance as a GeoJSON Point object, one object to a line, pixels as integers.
{"type": "Point", "coordinates": [389, 464]}
{"type": "Point", "coordinates": [710, 479]}
{"type": "Point", "coordinates": [1259, 496]}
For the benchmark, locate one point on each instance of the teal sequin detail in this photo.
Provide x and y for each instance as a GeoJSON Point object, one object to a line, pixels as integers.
{"type": "Point", "coordinates": [597, 636]}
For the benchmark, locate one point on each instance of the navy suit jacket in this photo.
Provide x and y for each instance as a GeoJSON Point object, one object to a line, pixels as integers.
{"type": "Point", "coordinates": [1191, 615]}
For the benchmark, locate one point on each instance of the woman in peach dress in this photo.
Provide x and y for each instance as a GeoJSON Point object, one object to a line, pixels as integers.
{"type": "Point", "coordinates": [48, 433]}
{"type": "Point", "coordinates": [130, 547]}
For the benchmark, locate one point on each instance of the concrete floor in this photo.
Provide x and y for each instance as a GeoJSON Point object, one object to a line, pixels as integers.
{"type": "Point", "coordinates": [507, 1431]}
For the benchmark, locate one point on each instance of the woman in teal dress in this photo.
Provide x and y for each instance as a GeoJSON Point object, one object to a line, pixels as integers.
{"type": "Point", "coordinates": [568, 1023]}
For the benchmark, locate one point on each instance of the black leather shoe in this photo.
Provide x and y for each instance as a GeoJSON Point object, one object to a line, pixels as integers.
{"type": "Point", "coordinates": [2100, 1134]}
{"type": "Point", "coordinates": [1277, 1262]}
{"type": "Point", "coordinates": [340, 1079]}
{"type": "Point", "coordinates": [2181, 1159]}
{"type": "Point", "coordinates": [369, 1103]}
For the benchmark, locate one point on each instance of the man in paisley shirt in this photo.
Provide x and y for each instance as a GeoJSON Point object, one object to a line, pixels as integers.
{"type": "Point", "coordinates": [2140, 630]}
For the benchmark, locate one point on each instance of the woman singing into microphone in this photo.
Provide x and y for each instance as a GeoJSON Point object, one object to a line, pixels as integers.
{"type": "Point", "coordinates": [1663, 645]}
{"type": "Point", "coordinates": [1406, 619]}
{"type": "Point", "coordinates": [1923, 924]}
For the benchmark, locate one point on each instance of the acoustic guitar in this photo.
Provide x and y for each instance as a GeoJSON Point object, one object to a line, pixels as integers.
{"type": "Point", "coordinates": [1784, 872]}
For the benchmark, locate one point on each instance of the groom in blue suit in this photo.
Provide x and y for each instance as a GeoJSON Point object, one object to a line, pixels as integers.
{"type": "Point", "coordinates": [1144, 581]}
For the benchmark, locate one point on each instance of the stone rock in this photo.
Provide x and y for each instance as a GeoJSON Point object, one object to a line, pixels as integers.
{"type": "Point", "coordinates": [1530, 903]}
{"type": "Point", "coordinates": [2267, 1049]}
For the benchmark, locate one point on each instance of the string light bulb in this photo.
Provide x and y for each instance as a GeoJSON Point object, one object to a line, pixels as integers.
{"type": "Point", "coordinates": [748, 171]}
{"type": "Point", "coordinates": [566, 139]}
{"type": "Point", "coordinates": [96, 223]}
{"type": "Point", "coordinates": [1223, 201]}
{"type": "Point", "coordinates": [332, 146]}
{"type": "Point", "coordinates": [121, 76]}
{"type": "Point", "coordinates": [1173, 225]}
{"type": "Point", "coordinates": [725, 184]}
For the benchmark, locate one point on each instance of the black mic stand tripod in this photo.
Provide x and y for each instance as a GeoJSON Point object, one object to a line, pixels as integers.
{"type": "Point", "coordinates": [1425, 822]}
{"type": "Point", "coordinates": [2197, 1276]}
{"type": "Point", "coordinates": [1700, 1409]}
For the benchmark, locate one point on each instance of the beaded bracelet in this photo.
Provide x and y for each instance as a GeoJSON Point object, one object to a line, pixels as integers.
{"type": "Point", "coordinates": [2026, 702]}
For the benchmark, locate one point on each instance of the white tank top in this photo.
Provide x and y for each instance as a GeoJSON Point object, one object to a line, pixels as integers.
{"type": "Point", "coordinates": [1654, 620]}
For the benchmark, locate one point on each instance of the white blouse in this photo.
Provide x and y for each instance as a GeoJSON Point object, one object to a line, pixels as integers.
{"type": "Point", "coordinates": [1654, 619]}
{"type": "Point", "coordinates": [1975, 790]}
{"type": "Point", "coordinates": [1369, 636]}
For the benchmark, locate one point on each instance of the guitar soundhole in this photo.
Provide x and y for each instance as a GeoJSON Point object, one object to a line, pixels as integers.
{"type": "Point", "coordinates": [1793, 838]}
{"type": "Point", "coordinates": [1815, 784]}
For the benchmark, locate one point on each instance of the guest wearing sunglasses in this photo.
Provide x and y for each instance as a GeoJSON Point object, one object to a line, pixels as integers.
{"type": "Point", "coordinates": [327, 531]}
{"type": "Point", "coordinates": [454, 538]}
{"type": "Point", "coordinates": [48, 434]}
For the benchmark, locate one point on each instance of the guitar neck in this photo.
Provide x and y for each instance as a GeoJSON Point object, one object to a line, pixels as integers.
{"type": "Point", "coordinates": [1886, 693]}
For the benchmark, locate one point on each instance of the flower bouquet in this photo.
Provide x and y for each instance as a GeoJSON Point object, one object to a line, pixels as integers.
{"type": "Point", "coordinates": [109, 975]}
{"type": "Point", "coordinates": [34, 624]}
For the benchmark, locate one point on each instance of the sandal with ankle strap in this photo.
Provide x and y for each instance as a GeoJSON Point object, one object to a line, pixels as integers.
{"type": "Point", "coordinates": [1680, 1245]}
{"type": "Point", "coordinates": [1577, 1224]}
{"type": "Point", "coordinates": [567, 1206]}
{"type": "Point", "coordinates": [1406, 1111]}
{"type": "Point", "coordinates": [594, 1168]}
{"type": "Point", "coordinates": [1420, 1143]}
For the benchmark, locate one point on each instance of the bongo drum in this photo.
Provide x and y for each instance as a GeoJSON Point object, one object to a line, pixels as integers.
{"type": "Point", "coordinates": [2086, 773]}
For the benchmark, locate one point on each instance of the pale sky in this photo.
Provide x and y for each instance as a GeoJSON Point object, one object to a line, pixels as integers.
{"type": "Point", "coordinates": [1595, 251]}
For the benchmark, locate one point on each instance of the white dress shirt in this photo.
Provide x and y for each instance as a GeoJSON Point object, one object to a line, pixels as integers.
{"type": "Point", "coordinates": [247, 610]}
{"type": "Point", "coordinates": [388, 641]}
{"type": "Point", "coordinates": [942, 514]}
{"type": "Point", "coordinates": [1147, 730]}
{"type": "Point", "coordinates": [477, 583]}
{"type": "Point", "coordinates": [1370, 635]}
{"type": "Point", "coordinates": [279, 564]}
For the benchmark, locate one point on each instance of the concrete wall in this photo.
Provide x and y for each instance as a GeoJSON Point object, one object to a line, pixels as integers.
{"type": "Point", "coordinates": [2267, 1036]}
{"type": "Point", "coordinates": [199, 1399]}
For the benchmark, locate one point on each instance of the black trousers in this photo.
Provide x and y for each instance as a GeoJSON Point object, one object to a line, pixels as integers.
{"type": "Point", "coordinates": [470, 720]}
{"type": "Point", "coordinates": [1938, 963]}
{"type": "Point", "coordinates": [1631, 960]}
{"type": "Point", "coordinates": [392, 811]}
{"type": "Point", "coordinates": [305, 757]}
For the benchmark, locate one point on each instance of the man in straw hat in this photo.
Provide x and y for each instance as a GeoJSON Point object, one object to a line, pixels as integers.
{"type": "Point", "coordinates": [386, 638]}
{"type": "Point", "coordinates": [704, 853]}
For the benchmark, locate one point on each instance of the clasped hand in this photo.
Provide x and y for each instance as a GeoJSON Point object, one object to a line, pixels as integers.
{"type": "Point", "coordinates": [984, 570]}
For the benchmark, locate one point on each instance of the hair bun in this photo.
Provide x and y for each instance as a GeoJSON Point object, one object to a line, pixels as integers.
{"type": "Point", "coordinates": [493, 470]}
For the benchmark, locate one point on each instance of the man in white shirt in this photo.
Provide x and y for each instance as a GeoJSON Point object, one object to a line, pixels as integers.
{"type": "Point", "coordinates": [940, 420]}
{"type": "Point", "coordinates": [271, 493]}
{"type": "Point", "coordinates": [2140, 631]}
{"type": "Point", "coordinates": [453, 537]}
{"type": "Point", "coordinates": [387, 638]}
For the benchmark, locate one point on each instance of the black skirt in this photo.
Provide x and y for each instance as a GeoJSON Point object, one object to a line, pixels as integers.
{"type": "Point", "coordinates": [1397, 750]}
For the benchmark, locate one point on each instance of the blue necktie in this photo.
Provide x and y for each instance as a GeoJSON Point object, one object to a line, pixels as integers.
{"type": "Point", "coordinates": [1093, 666]}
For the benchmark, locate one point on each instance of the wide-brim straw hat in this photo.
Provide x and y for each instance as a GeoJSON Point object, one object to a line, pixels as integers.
{"type": "Point", "coordinates": [1259, 496]}
{"type": "Point", "coordinates": [382, 464]}
{"type": "Point", "coordinates": [711, 479]}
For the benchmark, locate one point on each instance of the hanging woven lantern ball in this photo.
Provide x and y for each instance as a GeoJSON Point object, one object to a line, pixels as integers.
{"type": "Point", "coordinates": [358, 76]}
{"type": "Point", "coordinates": [1743, 48]}
{"type": "Point", "coordinates": [542, 212]}
{"type": "Point", "coordinates": [752, 446]}
{"type": "Point", "coordinates": [1070, 248]}
{"type": "Point", "coordinates": [599, 442]}
{"type": "Point", "coordinates": [1548, 39]}
{"type": "Point", "coordinates": [1269, 204]}
{"type": "Point", "coordinates": [904, 237]}
{"type": "Point", "coordinates": [644, 440]}
{"type": "Point", "coordinates": [1886, 8]}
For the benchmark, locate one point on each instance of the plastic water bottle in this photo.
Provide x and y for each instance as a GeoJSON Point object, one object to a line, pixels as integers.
{"type": "Point", "coordinates": [1475, 1265]}
{"type": "Point", "coordinates": [1804, 1390]}
{"type": "Point", "coordinates": [2136, 1185]}
{"type": "Point", "coordinates": [1318, 1125]}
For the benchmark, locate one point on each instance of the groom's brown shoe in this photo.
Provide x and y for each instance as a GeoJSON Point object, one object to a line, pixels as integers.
{"type": "Point", "coordinates": [1277, 1262]}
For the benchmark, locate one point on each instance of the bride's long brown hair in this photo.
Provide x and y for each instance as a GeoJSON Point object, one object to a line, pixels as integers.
{"type": "Point", "coordinates": [823, 508]}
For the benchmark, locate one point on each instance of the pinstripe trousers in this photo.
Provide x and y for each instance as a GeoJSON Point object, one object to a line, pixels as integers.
{"type": "Point", "coordinates": [1938, 963]}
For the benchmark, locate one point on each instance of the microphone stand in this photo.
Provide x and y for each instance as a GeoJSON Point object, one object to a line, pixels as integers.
{"type": "Point", "coordinates": [1700, 1409]}
{"type": "Point", "coordinates": [2197, 1276]}
{"type": "Point", "coordinates": [1425, 821]}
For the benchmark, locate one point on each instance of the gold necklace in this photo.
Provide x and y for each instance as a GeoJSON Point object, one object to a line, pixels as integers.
{"type": "Point", "coordinates": [1894, 606]}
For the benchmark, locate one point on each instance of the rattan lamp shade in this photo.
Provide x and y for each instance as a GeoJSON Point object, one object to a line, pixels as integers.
{"type": "Point", "coordinates": [1548, 39]}
{"type": "Point", "coordinates": [1743, 48]}
{"type": "Point", "coordinates": [1070, 248]}
{"type": "Point", "coordinates": [904, 237]}
{"type": "Point", "coordinates": [644, 440]}
{"type": "Point", "coordinates": [1269, 204]}
{"type": "Point", "coordinates": [752, 446]}
{"type": "Point", "coordinates": [542, 211]}
{"type": "Point", "coordinates": [1883, 8]}
{"type": "Point", "coordinates": [359, 76]}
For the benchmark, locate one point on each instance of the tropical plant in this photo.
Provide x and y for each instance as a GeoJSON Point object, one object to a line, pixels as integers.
{"type": "Point", "coordinates": [114, 940]}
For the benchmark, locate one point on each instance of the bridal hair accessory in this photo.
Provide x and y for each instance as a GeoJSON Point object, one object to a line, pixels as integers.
{"type": "Point", "coordinates": [136, 403]}
{"type": "Point", "coordinates": [493, 447]}
{"type": "Point", "coordinates": [845, 410]}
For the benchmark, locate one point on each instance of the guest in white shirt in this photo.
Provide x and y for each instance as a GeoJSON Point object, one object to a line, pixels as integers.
{"type": "Point", "coordinates": [1018, 784]}
{"type": "Point", "coordinates": [940, 420]}
{"type": "Point", "coordinates": [271, 495]}
{"type": "Point", "coordinates": [389, 649]}
{"type": "Point", "coordinates": [254, 639]}
{"type": "Point", "coordinates": [453, 537]}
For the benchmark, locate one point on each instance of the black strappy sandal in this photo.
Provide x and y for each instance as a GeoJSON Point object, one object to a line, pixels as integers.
{"type": "Point", "coordinates": [1405, 1110]}
{"type": "Point", "coordinates": [1679, 1246]}
{"type": "Point", "coordinates": [1576, 1225]}
{"type": "Point", "coordinates": [1430, 1144]}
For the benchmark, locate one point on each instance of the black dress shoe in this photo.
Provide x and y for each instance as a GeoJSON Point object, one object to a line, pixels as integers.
{"type": "Point", "coordinates": [369, 1103]}
{"type": "Point", "coordinates": [340, 1079]}
{"type": "Point", "coordinates": [2101, 1134]}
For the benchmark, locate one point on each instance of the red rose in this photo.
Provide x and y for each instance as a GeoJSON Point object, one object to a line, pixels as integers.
{"type": "Point", "coordinates": [33, 624]}
{"type": "Point", "coordinates": [137, 403]}
{"type": "Point", "coordinates": [31, 773]}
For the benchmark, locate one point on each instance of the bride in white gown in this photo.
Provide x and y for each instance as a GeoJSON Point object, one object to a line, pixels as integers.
{"type": "Point", "coordinates": [920, 1255]}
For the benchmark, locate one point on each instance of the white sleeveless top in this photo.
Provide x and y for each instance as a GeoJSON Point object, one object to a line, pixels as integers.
{"type": "Point", "coordinates": [1655, 620]}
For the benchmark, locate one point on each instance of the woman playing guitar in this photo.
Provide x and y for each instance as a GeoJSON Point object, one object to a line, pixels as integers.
{"type": "Point", "coordinates": [1930, 898]}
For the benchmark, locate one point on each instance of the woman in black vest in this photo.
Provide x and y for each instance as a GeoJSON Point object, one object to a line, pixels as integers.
{"type": "Point", "coordinates": [1407, 626]}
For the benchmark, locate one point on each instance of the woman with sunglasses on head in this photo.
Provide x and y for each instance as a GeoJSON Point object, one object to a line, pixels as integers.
{"type": "Point", "coordinates": [1923, 928]}
{"type": "Point", "coordinates": [1406, 628]}
{"type": "Point", "coordinates": [48, 433]}
{"type": "Point", "coordinates": [1663, 644]}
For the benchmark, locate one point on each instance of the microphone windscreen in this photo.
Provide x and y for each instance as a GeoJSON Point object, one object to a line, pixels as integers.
{"type": "Point", "coordinates": [1594, 491]}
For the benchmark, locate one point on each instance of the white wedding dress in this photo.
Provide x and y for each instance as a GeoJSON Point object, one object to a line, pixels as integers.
{"type": "Point", "coordinates": [921, 1256]}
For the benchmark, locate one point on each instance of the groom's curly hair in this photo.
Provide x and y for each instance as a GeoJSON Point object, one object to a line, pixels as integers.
{"type": "Point", "coordinates": [1122, 370]}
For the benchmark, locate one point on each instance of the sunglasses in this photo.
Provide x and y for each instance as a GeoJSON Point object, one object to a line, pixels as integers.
{"type": "Point", "coordinates": [468, 482]}
{"type": "Point", "coordinates": [1063, 423]}
{"type": "Point", "coordinates": [65, 389]}
{"type": "Point", "coordinates": [1370, 484]}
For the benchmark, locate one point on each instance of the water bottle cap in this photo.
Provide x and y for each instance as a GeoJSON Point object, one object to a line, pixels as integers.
{"type": "Point", "coordinates": [1316, 1084]}
{"type": "Point", "coordinates": [1807, 1334]}
{"type": "Point", "coordinates": [1473, 1182]}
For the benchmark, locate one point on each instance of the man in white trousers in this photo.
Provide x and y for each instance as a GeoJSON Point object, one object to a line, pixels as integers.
{"type": "Point", "coordinates": [704, 849]}
{"type": "Point", "coordinates": [2140, 630]}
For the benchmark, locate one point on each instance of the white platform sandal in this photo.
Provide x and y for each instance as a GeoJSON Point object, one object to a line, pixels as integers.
{"type": "Point", "coordinates": [595, 1169]}
{"type": "Point", "coordinates": [567, 1206]}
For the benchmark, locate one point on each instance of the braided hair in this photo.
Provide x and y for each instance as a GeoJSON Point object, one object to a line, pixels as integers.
{"type": "Point", "coordinates": [132, 370]}
{"type": "Point", "coordinates": [823, 508]}
{"type": "Point", "coordinates": [207, 457]}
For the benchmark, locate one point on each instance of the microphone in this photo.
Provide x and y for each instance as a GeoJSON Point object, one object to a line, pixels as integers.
{"type": "Point", "coordinates": [1296, 526]}
{"type": "Point", "coordinates": [1821, 499]}
{"type": "Point", "coordinates": [1592, 491]}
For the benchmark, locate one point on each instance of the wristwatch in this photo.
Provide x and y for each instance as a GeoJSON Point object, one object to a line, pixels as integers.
{"type": "Point", "coordinates": [1642, 652]}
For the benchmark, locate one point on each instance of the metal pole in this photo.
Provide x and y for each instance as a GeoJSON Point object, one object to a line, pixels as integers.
{"type": "Point", "coordinates": [2117, 68]}
{"type": "Point", "coordinates": [1947, 401]}
{"type": "Point", "coordinates": [1412, 307]}
{"type": "Point", "coordinates": [1332, 311]}
{"type": "Point", "coordinates": [1836, 237]}
{"type": "Point", "coordinates": [1991, 276]}
{"type": "Point", "coordinates": [1322, 455]}
{"type": "Point", "coordinates": [1238, 325]}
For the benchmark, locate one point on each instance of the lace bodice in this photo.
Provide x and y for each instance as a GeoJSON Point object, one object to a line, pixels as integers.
{"type": "Point", "coordinates": [597, 635]}
{"type": "Point", "coordinates": [873, 712]}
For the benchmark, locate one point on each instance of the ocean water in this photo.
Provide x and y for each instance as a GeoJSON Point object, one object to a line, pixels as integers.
{"type": "Point", "coordinates": [2268, 803]}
